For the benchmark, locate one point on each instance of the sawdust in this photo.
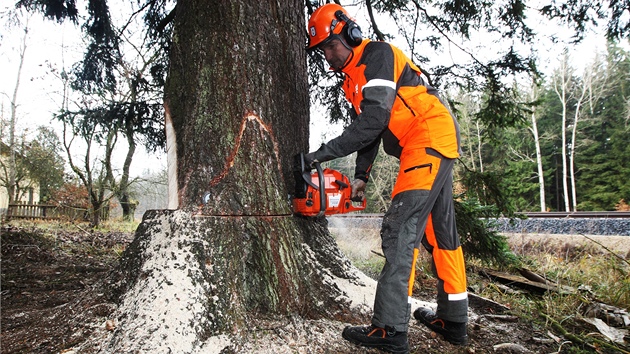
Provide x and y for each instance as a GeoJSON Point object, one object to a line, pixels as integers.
{"type": "Point", "coordinates": [168, 320]}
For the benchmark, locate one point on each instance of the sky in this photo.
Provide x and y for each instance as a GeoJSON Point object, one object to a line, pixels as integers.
{"type": "Point", "coordinates": [38, 92]}
{"type": "Point", "coordinates": [51, 46]}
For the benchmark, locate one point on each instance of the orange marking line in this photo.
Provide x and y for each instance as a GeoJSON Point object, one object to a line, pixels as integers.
{"type": "Point", "coordinates": [230, 160]}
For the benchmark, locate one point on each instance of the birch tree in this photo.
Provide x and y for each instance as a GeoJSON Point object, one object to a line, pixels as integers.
{"type": "Point", "coordinates": [594, 83]}
{"type": "Point", "coordinates": [534, 95]}
{"type": "Point", "coordinates": [562, 82]}
{"type": "Point", "coordinates": [10, 180]}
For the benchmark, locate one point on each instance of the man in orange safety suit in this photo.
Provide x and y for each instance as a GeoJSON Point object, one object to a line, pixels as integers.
{"type": "Point", "coordinates": [394, 104]}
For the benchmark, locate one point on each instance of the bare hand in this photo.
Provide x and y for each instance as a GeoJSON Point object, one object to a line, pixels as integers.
{"type": "Point", "coordinates": [358, 190]}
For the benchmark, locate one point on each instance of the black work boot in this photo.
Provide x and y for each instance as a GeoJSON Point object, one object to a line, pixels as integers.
{"type": "Point", "coordinates": [453, 332]}
{"type": "Point", "coordinates": [375, 337]}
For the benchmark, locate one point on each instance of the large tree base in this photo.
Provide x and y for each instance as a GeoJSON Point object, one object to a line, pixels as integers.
{"type": "Point", "coordinates": [183, 287]}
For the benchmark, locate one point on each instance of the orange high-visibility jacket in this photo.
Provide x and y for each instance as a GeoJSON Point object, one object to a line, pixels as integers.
{"type": "Point", "coordinates": [394, 103]}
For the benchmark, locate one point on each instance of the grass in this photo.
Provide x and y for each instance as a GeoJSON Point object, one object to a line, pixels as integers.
{"type": "Point", "coordinates": [596, 272]}
{"type": "Point", "coordinates": [118, 225]}
{"type": "Point", "coordinates": [111, 225]}
{"type": "Point", "coordinates": [597, 275]}
{"type": "Point", "coordinates": [55, 234]}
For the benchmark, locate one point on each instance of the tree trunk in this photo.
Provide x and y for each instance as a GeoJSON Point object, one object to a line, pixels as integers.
{"type": "Point", "coordinates": [562, 90]}
{"type": "Point", "coordinates": [127, 203]}
{"type": "Point", "coordinates": [237, 95]}
{"type": "Point", "coordinates": [576, 117]}
{"type": "Point", "coordinates": [186, 279]}
{"type": "Point", "coordinates": [95, 213]}
{"type": "Point", "coordinates": [13, 187]}
{"type": "Point", "coordinates": [128, 206]}
{"type": "Point", "coordinates": [479, 146]}
{"type": "Point", "coordinates": [588, 83]}
{"type": "Point", "coordinates": [236, 112]}
{"type": "Point", "coordinates": [539, 162]}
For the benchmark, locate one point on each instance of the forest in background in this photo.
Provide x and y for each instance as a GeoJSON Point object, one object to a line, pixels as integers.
{"type": "Point", "coordinates": [580, 122]}
{"type": "Point", "coordinates": [591, 105]}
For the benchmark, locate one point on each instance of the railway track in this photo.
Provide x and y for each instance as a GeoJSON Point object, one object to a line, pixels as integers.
{"type": "Point", "coordinates": [579, 214]}
{"type": "Point", "coordinates": [532, 215]}
{"type": "Point", "coordinates": [605, 223]}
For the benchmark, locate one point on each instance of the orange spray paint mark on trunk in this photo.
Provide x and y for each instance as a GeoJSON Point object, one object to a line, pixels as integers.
{"type": "Point", "coordinates": [229, 163]}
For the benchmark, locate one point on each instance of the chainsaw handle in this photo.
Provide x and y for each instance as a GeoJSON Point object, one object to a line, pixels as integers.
{"type": "Point", "coordinates": [358, 198]}
{"type": "Point", "coordinates": [305, 171]}
{"type": "Point", "coordinates": [341, 184]}
{"type": "Point", "coordinates": [323, 201]}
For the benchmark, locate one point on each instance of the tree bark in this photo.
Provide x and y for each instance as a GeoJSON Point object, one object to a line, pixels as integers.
{"type": "Point", "coordinates": [236, 104]}
{"type": "Point", "coordinates": [237, 95]}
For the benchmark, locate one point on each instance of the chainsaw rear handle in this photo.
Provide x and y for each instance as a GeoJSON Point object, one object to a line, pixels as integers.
{"type": "Point", "coordinates": [357, 199]}
{"type": "Point", "coordinates": [352, 207]}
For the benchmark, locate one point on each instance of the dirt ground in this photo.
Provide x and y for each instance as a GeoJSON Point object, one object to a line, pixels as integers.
{"type": "Point", "coordinates": [51, 295]}
{"type": "Point", "coordinates": [53, 300]}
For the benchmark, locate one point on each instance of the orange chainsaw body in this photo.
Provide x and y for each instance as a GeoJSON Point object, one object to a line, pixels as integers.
{"type": "Point", "coordinates": [310, 200]}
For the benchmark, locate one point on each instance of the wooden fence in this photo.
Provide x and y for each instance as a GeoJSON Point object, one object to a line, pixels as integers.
{"type": "Point", "coordinates": [48, 211]}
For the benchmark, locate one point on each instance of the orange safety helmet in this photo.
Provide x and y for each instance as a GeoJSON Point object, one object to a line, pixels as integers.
{"type": "Point", "coordinates": [332, 20]}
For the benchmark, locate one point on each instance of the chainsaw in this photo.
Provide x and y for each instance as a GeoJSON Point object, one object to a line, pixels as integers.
{"type": "Point", "coordinates": [323, 192]}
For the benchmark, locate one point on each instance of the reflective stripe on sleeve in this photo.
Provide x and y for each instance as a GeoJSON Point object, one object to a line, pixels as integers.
{"type": "Point", "coordinates": [380, 82]}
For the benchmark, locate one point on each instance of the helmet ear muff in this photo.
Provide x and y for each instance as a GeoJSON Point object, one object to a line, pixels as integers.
{"type": "Point", "coordinates": [351, 32]}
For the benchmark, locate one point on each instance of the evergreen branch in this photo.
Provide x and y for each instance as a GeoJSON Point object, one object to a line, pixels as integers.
{"type": "Point", "coordinates": [166, 20]}
{"type": "Point", "coordinates": [448, 38]}
{"type": "Point", "coordinates": [379, 34]}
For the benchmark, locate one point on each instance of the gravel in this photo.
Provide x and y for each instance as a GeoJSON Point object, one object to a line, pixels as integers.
{"type": "Point", "coordinates": [561, 226]}
{"type": "Point", "coordinates": [566, 226]}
